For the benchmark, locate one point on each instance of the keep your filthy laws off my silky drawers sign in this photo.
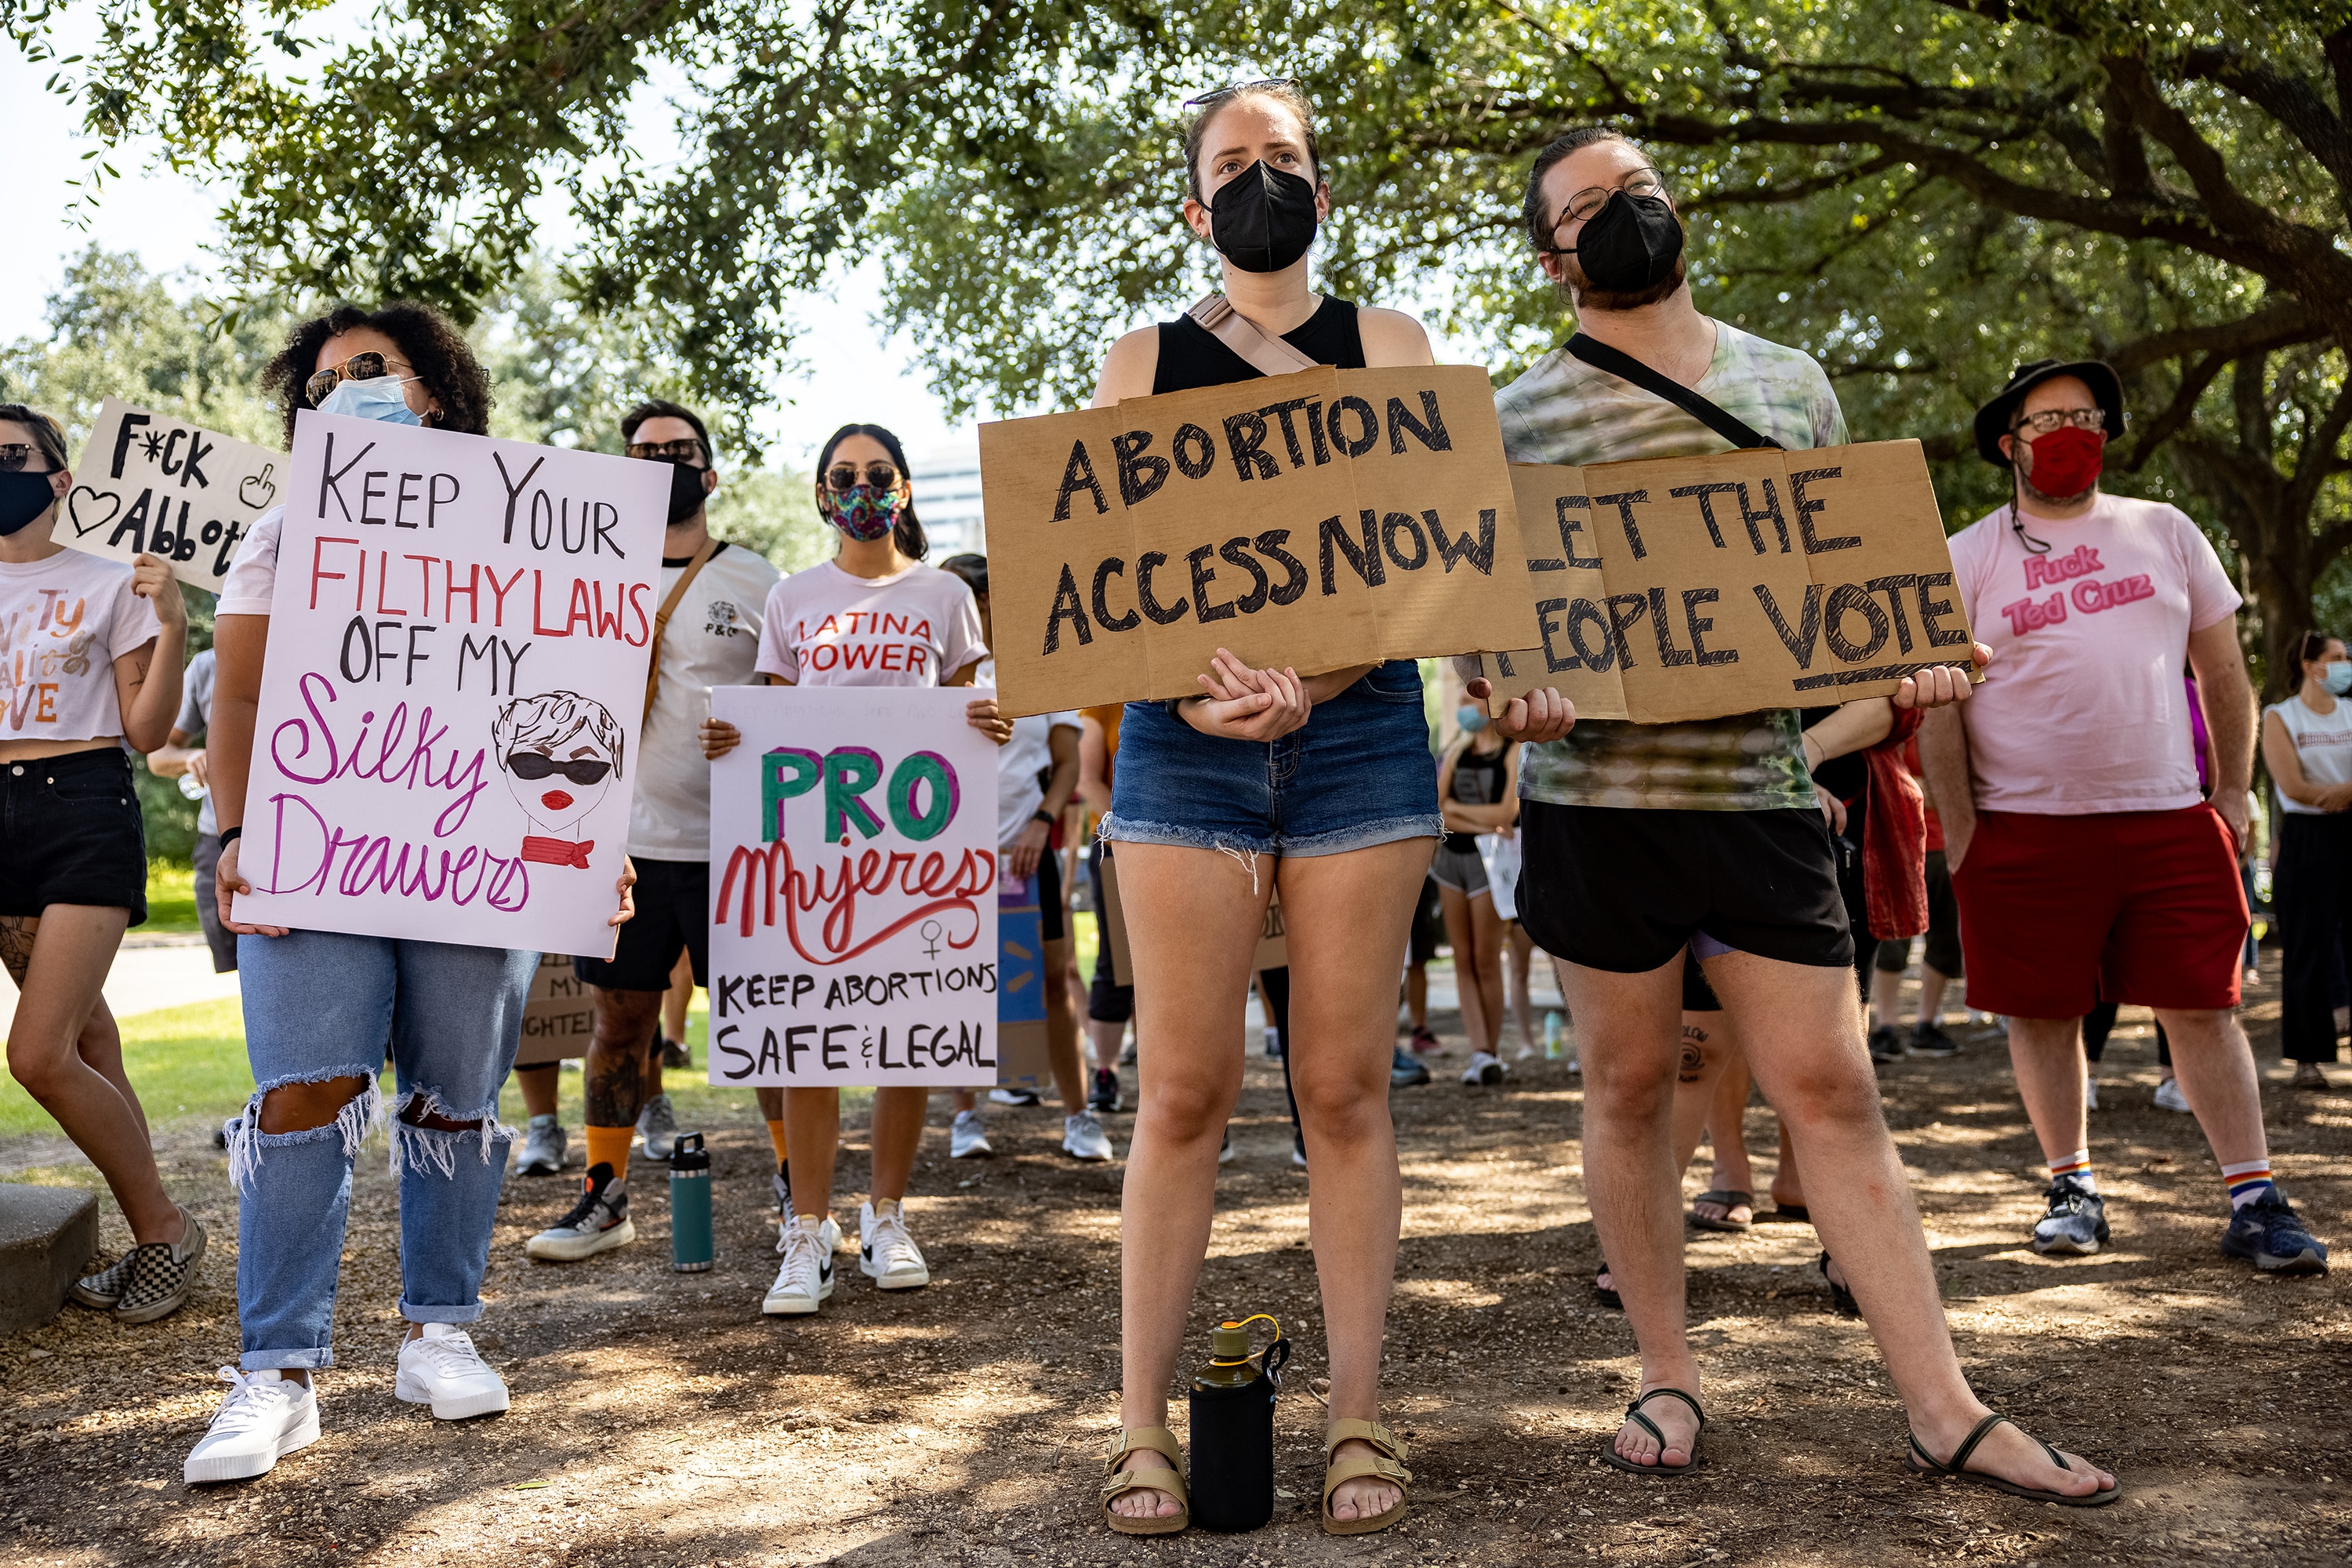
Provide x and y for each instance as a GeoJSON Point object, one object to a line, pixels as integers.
{"type": "Point", "coordinates": [447, 736]}
{"type": "Point", "coordinates": [852, 890]}
{"type": "Point", "coordinates": [1325, 519]}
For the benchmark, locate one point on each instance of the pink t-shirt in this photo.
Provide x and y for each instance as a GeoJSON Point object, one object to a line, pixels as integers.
{"type": "Point", "coordinates": [825, 627]}
{"type": "Point", "coordinates": [63, 623]}
{"type": "Point", "coordinates": [2083, 708]}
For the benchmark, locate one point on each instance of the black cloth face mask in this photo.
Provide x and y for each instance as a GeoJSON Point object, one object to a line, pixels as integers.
{"type": "Point", "coordinates": [1631, 244]}
{"type": "Point", "coordinates": [685, 496]}
{"type": "Point", "coordinates": [1263, 219]}
{"type": "Point", "coordinates": [23, 497]}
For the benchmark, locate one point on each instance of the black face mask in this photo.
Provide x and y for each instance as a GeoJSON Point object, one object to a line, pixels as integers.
{"type": "Point", "coordinates": [1631, 244]}
{"type": "Point", "coordinates": [1263, 219]}
{"type": "Point", "coordinates": [23, 497]}
{"type": "Point", "coordinates": [685, 496]}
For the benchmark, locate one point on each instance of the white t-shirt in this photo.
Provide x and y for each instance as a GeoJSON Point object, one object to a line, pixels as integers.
{"type": "Point", "coordinates": [63, 623]}
{"type": "Point", "coordinates": [2083, 709]}
{"type": "Point", "coordinates": [253, 576]}
{"type": "Point", "coordinates": [2323, 745]}
{"type": "Point", "coordinates": [712, 639]}
{"type": "Point", "coordinates": [1023, 763]}
{"type": "Point", "coordinates": [825, 627]}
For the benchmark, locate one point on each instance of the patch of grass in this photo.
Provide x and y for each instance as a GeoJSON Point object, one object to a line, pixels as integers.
{"type": "Point", "coordinates": [171, 899]}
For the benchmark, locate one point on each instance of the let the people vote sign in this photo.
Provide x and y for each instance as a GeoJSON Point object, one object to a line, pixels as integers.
{"type": "Point", "coordinates": [852, 890]}
{"type": "Point", "coordinates": [447, 737]}
{"type": "Point", "coordinates": [1695, 587]}
{"type": "Point", "coordinates": [1313, 521]}
{"type": "Point", "coordinates": [148, 483]}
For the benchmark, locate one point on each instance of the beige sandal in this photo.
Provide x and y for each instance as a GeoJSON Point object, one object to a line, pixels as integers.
{"type": "Point", "coordinates": [1387, 1462]}
{"type": "Point", "coordinates": [1159, 1440]}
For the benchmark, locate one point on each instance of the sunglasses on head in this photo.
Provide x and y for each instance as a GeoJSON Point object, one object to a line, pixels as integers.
{"type": "Point", "coordinates": [15, 455]}
{"type": "Point", "coordinates": [537, 766]}
{"type": "Point", "coordinates": [364, 366]}
{"type": "Point", "coordinates": [843, 476]}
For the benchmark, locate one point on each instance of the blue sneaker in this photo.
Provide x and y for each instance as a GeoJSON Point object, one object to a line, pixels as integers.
{"type": "Point", "coordinates": [2267, 1234]}
{"type": "Point", "coordinates": [1405, 1070]}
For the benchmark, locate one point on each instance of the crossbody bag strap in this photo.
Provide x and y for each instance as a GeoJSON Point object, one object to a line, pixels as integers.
{"type": "Point", "coordinates": [1266, 355]}
{"type": "Point", "coordinates": [1626, 367]}
{"type": "Point", "coordinates": [710, 547]}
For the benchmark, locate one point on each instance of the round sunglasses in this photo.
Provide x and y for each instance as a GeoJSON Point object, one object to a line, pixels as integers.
{"type": "Point", "coordinates": [843, 476]}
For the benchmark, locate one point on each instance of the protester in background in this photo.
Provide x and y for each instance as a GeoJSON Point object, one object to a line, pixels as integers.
{"type": "Point", "coordinates": [705, 633]}
{"type": "Point", "coordinates": [93, 649]}
{"type": "Point", "coordinates": [320, 1005]}
{"type": "Point", "coordinates": [1036, 773]}
{"type": "Point", "coordinates": [1422, 938]}
{"type": "Point", "coordinates": [872, 616]}
{"type": "Point", "coordinates": [1939, 958]}
{"type": "Point", "coordinates": [1642, 841]}
{"type": "Point", "coordinates": [1477, 791]}
{"type": "Point", "coordinates": [2088, 864]}
{"type": "Point", "coordinates": [1322, 787]}
{"type": "Point", "coordinates": [2307, 745]}
{"type": "Point", "coordinates": [1110, 1007]}
{"type": "Point", "coordinates": [183, 757]}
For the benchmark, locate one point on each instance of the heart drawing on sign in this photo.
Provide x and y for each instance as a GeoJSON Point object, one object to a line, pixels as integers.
{"type": "Point", "coordinates": [74, 503]}
{"type": "Point", "coordinates": [258, 491]}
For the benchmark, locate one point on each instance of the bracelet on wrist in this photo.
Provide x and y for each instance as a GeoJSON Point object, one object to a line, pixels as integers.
{"type": "Point", "coordinates": [229, 835]}
{"type": "Point", "coordinates": [1042, 815]}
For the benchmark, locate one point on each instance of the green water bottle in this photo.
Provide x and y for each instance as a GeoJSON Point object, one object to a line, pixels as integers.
{"type": "Point", "coordinates": [689, 1205]}
{"type": "Point", "coordinates": [1555, 1036]}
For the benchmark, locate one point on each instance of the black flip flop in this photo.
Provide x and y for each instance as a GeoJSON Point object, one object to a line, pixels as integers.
{"type": "Point", "coordinates": [1615, 1460]}
{"type": "Point", "coordinates": [1841, 1297]}
{"type": "Point", "coordinates": [1785, 1213]}
{"type": "Point", "coordinates": [1602, 1293]}
{"type": "Point", "coordinates": [1921, 1463]}
{"type": "Point", "coordinates": [1730, 1198]}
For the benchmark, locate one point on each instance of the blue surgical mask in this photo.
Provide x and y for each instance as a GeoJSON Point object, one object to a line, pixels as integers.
{"type": "Point", "coordinates": [379, 397]}
{"type": "Point", "coordinates": [2336, 676]}
{"type": "Point", "coordinates": [1472, 719]}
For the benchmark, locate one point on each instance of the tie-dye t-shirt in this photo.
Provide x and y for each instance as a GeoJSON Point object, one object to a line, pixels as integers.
{"type": "Point", "coordinates": [1565, 411]}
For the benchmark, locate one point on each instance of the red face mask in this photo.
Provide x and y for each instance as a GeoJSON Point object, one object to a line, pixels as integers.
{"type": "Point", "coordinates": [2066, 462]}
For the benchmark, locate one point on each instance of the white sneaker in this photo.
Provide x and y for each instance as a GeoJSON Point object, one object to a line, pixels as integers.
{"type": "Point", "coordinates": [1015, 1097]}
{"type": "Point", "coordinates": [265, 1418]}
{"type": "Point", "coordinates": [1486, 1070]}
{"type": "Point", "coordinates": [968, 1139]}
{"type": "Point", "coordinates": [597, 1223]}
{"type": "Point", "coordinates": [805, 1277]}
{"type": "Point", "coordinates": [657, 1128]}
{"type": "Point", "coordinates": [2169, 1098]}
{"type": "Point", "coordinates": [886, 1253]}
{"type": "Point", "coordinates": [443, 1368]}
{"type": "Point", "coordinates": [1225, 1150]}
{"type": "Point", "coordinates": [1083, 1137]}
{"type": "Point", "coordinates": [2090, 1092]}
{"type": "Point", "coordinates": [544, 1146]}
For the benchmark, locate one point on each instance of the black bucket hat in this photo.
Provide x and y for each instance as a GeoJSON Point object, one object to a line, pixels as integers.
{"type": "Point", "coordinates": [1994, 420]}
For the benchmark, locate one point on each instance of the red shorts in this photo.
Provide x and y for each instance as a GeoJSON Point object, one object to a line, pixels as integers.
{"type": "Point", "coordinates": [2060, 914]}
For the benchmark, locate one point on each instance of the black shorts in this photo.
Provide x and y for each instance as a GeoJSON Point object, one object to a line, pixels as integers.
{"type": "Point", "coordinates": [1428, 933]}
{"type": "Point", "coordinates": [1621, 890]}
{"type": "Point", "coordinates": [1943, 953]}
{"type": "Point", "coordinates": [1052, 925]}
{"type": "Point", "coordinates": [1107, 1002]}
{"type": "Point", "coordinates": [673, 915]}
{"type": "Point", "coordinates": [71, 834]}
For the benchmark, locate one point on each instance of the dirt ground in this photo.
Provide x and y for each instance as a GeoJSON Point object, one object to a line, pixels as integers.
{"type": "Point", "coordinates": [658, 1420]}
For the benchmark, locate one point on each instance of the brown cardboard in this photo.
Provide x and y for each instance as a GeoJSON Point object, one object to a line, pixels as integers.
{"type": "Point", "coordinates": [1273, 944]}
{"type": "Point", "coordinates": [1314, 521]}
{"type": "Point", "coordinates": [558, 1021]}
{"type": "Point", "coordinates": [1695, 587]}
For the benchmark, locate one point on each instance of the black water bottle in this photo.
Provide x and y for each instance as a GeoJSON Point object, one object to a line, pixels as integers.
{"type": "Point", "coordinates": [1232, 1483]}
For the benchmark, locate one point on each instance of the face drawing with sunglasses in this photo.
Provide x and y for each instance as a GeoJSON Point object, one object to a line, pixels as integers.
{"type": "Point", "coordinates": [561, 752]}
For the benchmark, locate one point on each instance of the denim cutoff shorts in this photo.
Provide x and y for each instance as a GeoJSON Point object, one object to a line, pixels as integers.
{"type": "Point", "coordinates": [1358, 773]}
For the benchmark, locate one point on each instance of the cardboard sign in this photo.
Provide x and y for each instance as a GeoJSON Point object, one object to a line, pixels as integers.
{"type": "Point", "coordinates": [558, 1021]}
{"type": "Point", "coordinates": [1330, 518]}
{"type": "Point", "coordinates": [1273, 946]}
{"type": "Point", "coordinates": [1022, 982]}
{"type": "Point", "coordinates": [148, 482]}
{"type": "Point", "coordinates": [457, 671]}
{"type": "Point", "coordinates": [1695, 587]}
{"type": "Point", "coordinates": [852, 890]}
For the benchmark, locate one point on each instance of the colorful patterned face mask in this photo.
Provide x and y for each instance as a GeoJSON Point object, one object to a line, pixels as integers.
{"type": "Point", "coordinates": [862, 511]}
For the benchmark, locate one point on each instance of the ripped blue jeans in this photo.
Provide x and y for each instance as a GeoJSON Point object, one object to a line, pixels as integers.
{"type": "Point", "coordinates": [320, 1005]}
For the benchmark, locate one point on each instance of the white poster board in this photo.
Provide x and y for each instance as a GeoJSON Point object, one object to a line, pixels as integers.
{"type": "Point", "coordinates": [852, 890]}
{"type": "Point", "coordinates": [456, 673]}
{"type": "Point", "coordinates": [151, 483]}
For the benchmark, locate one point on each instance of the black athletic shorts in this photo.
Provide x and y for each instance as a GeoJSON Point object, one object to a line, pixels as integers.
{"type": "Point", "coordinates": [1107, 1002]}
{"type": "Point", "coordinates": [673, 915]}
{"type": "Point", "coordinates": [1621, 889]}
{"type": "Point", "coordinates": [1943, 953]}
{"type": "Point", "coordinates": [70, 833]}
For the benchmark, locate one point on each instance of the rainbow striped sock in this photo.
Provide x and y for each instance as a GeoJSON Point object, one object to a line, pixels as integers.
{"type": "Point", "coordinates": [2247, 1181]}
{"type": "Point", "coordinates": [2077, 1166]}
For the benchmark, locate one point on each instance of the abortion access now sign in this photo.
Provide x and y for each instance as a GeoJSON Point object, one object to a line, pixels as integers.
{"type": "Point", "coordinates": [155, 485]}
{"type": "Point", "coordinates": [1313, 521]}
{"type": "Point", "coordinates": [447, 735]}
{"type": "Point", "coordinates": [852, 890]}
{"type": "Point", "coordinates": [1695, 587]}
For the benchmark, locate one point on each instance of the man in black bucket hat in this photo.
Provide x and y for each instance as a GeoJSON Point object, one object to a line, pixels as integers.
{"type": "Point", "coordinates": [2093, 853]}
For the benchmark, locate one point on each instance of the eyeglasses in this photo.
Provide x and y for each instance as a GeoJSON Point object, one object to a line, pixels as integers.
{"type": "Point", "coordinates": [2050, 419]}
{"type": "Point", "coordinates": [684, 451]}
{"type": "Point", "coordinates": [1223, 93]}
{"type": "Point", "coordinates": [843, 476]}
{"type": "Point", "coordinates": [1586, 205]}
{"type": "Point", "coordinates": [534, 765]}
{"type": "Point", "coordinates": [365, 366]}
{"type": "Point", "coordinates": [16, 453]}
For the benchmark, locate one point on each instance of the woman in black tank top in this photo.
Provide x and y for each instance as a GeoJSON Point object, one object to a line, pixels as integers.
{"type": "Point", "coordinates": [1320, 786]}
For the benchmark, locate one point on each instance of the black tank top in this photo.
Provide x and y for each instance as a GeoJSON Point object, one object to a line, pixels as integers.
{"type": "Point", "coordinates": [1478, 780]}
{"type": "Point", "coordinates": [1190, 355]}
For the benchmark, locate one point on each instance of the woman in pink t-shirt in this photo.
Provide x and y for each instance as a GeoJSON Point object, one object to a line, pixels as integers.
{"type": "Point", "coordinates": [872, 616]}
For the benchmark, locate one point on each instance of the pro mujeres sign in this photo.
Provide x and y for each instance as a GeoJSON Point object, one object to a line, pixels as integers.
{"type": "Point", "coordinates": [1695, 587]}
{"type": "Point", "coordinates": [148, 483]}
{"type": "Point", "coordinates": [854, 889]}
{"type": "Point", "coordinates": [1330, 518]}
{"type": "Point", "coordinates": [456, 672]}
